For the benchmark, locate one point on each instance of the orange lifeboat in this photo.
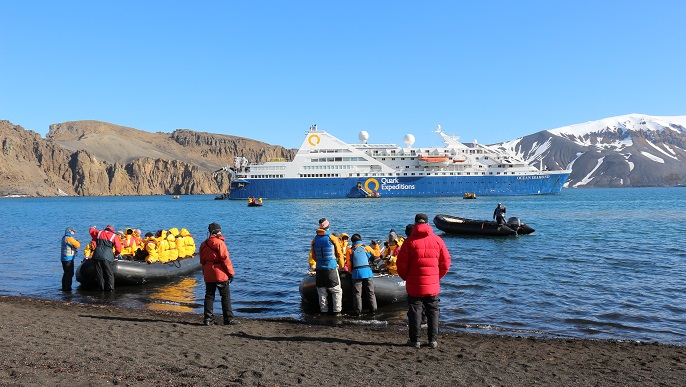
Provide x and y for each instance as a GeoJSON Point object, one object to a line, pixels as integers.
{"type": "Point", "coordinates": [434, 161]}
{"type": "Point", "coordinates": [437, 159]}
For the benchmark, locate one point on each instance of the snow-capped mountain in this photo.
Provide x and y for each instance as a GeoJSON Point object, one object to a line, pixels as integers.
{"type": "Point", "coordinates": [634, 150]}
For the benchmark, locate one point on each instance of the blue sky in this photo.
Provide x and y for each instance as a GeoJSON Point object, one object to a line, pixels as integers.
{"type": "Point", "coordinates": [267, 70]}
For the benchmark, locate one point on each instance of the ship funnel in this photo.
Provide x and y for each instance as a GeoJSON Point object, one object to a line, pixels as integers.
{"type": "Point", "coordinates": [408, 140]}
{"type": "Point", "coordinates": [363, 136]}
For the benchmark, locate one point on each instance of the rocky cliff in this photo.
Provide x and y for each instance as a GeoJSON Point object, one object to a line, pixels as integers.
{"type": "Point", "coordinates": [95, 158]}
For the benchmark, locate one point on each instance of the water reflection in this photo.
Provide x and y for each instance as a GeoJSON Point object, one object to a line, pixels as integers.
{"type": "Point", "coordinates": [174, 297]}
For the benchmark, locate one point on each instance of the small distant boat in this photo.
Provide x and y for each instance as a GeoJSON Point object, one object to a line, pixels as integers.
{"type": "Point", "coordinates": [252, 202]}
{"type": "Point", "coordinates": [220, 197]}
{"type": "Point", "coordinates": [139, 272]}
{"type": "Point", "coordinates": [389, 289]}
{"type": "Point", "coordinates": [464, 226]}
{"type": "Point", "coordinates": [176, 196]}
{"type": "Point", "coordinates": [469, 195]}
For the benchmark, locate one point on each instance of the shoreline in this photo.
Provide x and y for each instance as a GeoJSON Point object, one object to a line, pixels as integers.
{"type": "Point", "coordinates": [47, 342]}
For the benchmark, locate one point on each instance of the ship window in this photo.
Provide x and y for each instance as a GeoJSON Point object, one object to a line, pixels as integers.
{"type": "Point", "coordinates": [404, 174]}
{"type": "Point", "coordinates": [383, 158]}
{"type": "Point", "coordinates": [412, 174]}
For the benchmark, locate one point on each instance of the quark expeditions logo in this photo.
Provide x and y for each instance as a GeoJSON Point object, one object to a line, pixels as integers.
{"type": "Point", "coordinates": [387, 184]}
{"type": "Point", "coordinates": [314, 139]}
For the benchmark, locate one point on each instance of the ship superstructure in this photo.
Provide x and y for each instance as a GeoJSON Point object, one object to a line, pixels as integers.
{"type": "Point", "coordinates": [326, 167]}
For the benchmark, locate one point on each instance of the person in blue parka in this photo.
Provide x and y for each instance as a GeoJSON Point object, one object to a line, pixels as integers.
{"type": "Point", "coordinates": [357, 261]}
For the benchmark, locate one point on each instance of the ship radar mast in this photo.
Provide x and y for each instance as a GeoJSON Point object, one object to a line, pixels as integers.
{"type": "Point", "coordinates": [449, 140]}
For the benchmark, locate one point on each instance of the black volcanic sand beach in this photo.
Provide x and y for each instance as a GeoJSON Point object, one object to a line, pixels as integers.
{"type": "Point", "coordinates": [57, 343]}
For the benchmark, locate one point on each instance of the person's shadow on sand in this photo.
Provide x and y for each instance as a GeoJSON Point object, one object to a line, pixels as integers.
{"type": "Point", "coordinates": [312, 339]}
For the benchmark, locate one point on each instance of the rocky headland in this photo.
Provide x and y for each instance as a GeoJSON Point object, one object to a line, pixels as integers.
{"type": "Point", "coordinates": [92, 158]}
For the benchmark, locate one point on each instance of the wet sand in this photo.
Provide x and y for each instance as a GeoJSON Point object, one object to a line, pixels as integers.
{"type": "Point", "coordinates": [57, 343]}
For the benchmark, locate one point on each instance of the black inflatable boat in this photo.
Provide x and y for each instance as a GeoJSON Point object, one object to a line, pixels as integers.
{"type": "Point", "coordinates": [139, 272]}
{"type": "Point", "coordinates": [389, 289]}
{"type": "Point", "coordinates": [464, 226]}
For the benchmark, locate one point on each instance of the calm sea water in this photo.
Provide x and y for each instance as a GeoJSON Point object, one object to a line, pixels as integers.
{"type": "Point", "coordinates": [602, 264]}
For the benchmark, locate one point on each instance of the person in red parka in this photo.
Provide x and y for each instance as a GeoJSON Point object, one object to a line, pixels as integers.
{"type": "Point", "coordinates": [107, 249]}
{"type": "Point", "coordinates": [422, 262]}
{"type": "Point", "coordinates": [218, 272]}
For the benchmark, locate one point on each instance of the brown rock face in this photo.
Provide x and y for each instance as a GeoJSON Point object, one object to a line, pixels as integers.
{"type": "Point", "coordinates": [92, 158]}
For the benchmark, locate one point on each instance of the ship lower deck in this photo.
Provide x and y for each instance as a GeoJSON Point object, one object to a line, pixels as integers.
{"type": "Point", "coordinates": [415, 186]}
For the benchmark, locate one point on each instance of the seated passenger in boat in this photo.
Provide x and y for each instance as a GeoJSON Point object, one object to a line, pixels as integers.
{"type": "Point", "coordinates": [88, 250]}
{"type": "Point", "coordinates": [390, 252]}
{"type": "Point", "coordinates": [172, 253]}
{"type": "Point", "coordinates": [162, 246]}
{"type": "Point", "coordinates": [344, 244]}
{"type": "Point", "coordinates": [129, 245]}
{"type": "Point", "coordinates": [149, 251]}
{"type": "Point", "coordinates": [187, 246]}
{"type": "Point", "coordinates": [375, 259]}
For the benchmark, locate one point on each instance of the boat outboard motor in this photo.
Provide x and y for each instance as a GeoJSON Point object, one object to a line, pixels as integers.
{"type": "Point", "coordinates": [514, 223]}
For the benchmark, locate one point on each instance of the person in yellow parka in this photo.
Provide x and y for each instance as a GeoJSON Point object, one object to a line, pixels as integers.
{"type": "Point", "coordinates": [375, 250]}
{"type": "Point", "coordinates": [162, 246]}
{"type": "Point", "coordinates": [171, 238]}
{"type": "Point", "coordinates": [129, 245]}
{"type": "Point", "coordinates": [150, 247]}
{"type": "Point", "coordinates": [188, 243]}
{"type": "Point", "coordinates": [88, 250]}
{"type": "Point", "coordinates": [390, 253]}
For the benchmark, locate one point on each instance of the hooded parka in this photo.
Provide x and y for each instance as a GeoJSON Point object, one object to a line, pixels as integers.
{"type": "Point", "coordinates": [423, 261]}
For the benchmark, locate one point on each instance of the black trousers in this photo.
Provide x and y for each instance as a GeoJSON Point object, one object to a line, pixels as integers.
{"type": "Point", "coordinates": [365, 286]}
{"type": "Point", "coordinates": [104, 273]}
{"type": "Point", "coordinates": [68, 268]}
{"type": "Point", "coordinates": [225, 293]}
{"type": "Point", "coordinates": [428, 305]}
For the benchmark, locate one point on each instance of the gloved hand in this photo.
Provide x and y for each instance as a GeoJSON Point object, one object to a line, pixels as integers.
{"type": "Point", "coordinates": [230, 278]}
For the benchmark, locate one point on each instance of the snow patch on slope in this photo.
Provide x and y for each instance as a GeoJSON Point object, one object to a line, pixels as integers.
{"type": "Point", "coordinates": [653, 157]}
{"type": "Point", "coordinates": [588, 178]}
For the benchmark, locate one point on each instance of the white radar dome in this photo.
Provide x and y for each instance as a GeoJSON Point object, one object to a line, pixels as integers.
{"type": "Point", "coordinates": [363, 136]}
{"type": "Point", "coordinates": [408, 140]}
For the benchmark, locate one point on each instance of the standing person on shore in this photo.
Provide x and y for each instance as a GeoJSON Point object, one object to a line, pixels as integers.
{"type": "Point", "coordinates": [218, 272]}
{"type": "Point", "coordinates": [69, 246]}
{"type": "Point", "coordinates": [357, 261]}
{"type": "Point", "coordinates": [422, 262]}
{"type": "Point", "coordinates": [328, 256]}
{"type": "Point", "coordinates": [107, 246]}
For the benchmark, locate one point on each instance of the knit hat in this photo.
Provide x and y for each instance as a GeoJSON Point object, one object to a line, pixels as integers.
{"type": "Point", "coordinates": [392, 236]}
{"type": "Point", "coordinates": [421, 218]}
{"type": "Point", "coordinates": [323, 223]}
{"type": "Point", "coordinates": [355, 238]}
{"type": "Point", "coordinates": [148, 234]}
{"type": "Point", "coordinates": [109, 227]}
{"type": "Point", "coordinates": [408, 229]}
{"type": "Point", "coordinates": [214, 228]}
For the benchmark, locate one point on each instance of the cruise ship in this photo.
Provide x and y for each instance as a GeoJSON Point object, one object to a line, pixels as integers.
{"type": "Point", "coordinates": [326, 167]}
